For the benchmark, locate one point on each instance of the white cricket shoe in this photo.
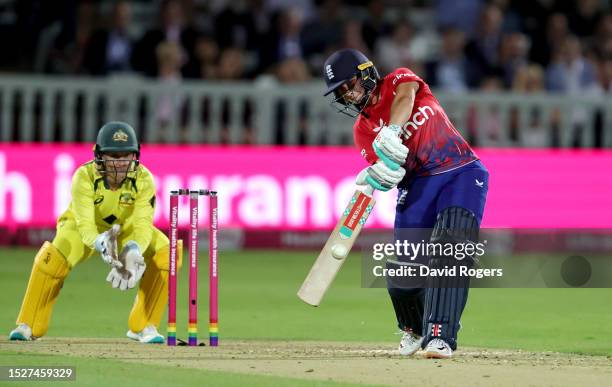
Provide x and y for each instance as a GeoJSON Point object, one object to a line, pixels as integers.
{"type": "Point", "coordinates": [410, 343]}
{"type": "Point", "coordinates": [23, 332]}
{"type": "Point", "coordinates": [438, 349]}
{"type": "Point", "coordinates": [149, 335]}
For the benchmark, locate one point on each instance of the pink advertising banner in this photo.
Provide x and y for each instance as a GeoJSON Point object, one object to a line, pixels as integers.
{"type": "Point", "coordinates": [307, 188]}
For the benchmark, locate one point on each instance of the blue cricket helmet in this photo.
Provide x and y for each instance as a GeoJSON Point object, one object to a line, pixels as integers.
{"type": "Point", "coordinates": [340, 68]}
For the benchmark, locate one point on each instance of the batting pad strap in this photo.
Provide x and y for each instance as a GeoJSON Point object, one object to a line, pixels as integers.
{"type": "Point", "coordinates": [455, 225]}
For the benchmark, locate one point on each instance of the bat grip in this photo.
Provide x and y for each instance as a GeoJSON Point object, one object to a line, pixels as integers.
{"type": "Point", "coordinates": [368, 189]}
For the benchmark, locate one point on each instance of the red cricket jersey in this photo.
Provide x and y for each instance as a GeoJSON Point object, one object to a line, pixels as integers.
{"type": "Point", "coordinates": [434, 144]}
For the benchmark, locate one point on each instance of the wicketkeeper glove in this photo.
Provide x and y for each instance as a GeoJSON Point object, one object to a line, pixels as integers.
{"type": "Point", "coordinates": [380, 176]}
{"type": "Point", "coordinates": [133, 268]}
{"type": "Point", "coordinates": [106, 245]}
{"type": "Point", "coordinates": [389, 148]}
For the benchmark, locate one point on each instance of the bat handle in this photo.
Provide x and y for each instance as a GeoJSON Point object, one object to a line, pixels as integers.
{"type": "Point", "coordinates": [368, 189]}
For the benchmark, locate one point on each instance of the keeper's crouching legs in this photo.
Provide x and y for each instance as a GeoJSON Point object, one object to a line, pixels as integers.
{"type": "Point", "coordinates": [49, 270]}
{"type": "Point", "coordinates": [152, 296]}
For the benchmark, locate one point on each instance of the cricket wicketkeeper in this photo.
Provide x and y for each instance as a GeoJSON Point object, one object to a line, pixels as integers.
{"type": "Point", "coordinates": [410, 143]}
{"type": "Point", "coordinates": [111, 213]}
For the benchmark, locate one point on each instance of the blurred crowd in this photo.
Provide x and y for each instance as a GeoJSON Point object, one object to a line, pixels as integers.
{"type": "Point", "coordinates": [526, 46]}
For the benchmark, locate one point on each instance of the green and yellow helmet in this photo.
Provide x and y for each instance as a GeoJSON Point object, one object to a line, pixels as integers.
{"type": "Point", "coordinates": [116, 136]}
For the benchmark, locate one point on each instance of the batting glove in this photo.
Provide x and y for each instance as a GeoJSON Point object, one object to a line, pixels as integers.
{"type": "Point", "coordinates": [380, 176]}
{"type": "Point", "coordinates": [389, 147]}
{"type": "Point", "coordinates": [106, 245]}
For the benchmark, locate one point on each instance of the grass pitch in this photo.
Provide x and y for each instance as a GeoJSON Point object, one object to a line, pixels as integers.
{"type": "Point", "coordinates": [258, 305]}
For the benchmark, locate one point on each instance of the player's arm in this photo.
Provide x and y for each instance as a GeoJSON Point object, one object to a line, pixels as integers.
{"type": "Point", "coordinates": [403, 102]}
{"type": "Point", "coordinates": [388, 145]}
{"type": "Point", "coordinates": [83, 207]}
{"type": "Point", "coordinates": [144, 207]}
{"type": "Point", "coordinates": [142, 223]}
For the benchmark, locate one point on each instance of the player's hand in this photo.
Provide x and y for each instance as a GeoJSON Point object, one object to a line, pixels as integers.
{"type": "Point", "coordinates": [133, 262]}
{"type": "Point", "coordinates": [119, 278]}
{"type": "Point", "coordinates": [106, 245]}
{"type": "Point", "coordinates": [133, 267]}
{"type": "Point", "coordinates": [389, 148]}
{"type": "Point", "coordinates": [380, 176]}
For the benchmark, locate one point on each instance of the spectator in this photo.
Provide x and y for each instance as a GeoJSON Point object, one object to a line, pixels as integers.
{"type": "Point", "coordinates": [459, 14]}
{"type": "Point", "coordinates": [603, 88]}
{"type": "Point", "coordinates": [396, 50]}
{"type": "Point", "coordinates": [26, 39]}
{"type": "Point", "coordinates": [168, 56]}
{"type": "Point", "coordinates": [513, 56]}
{"type": "Point", "coordinates": [352, 38]}
{"type": "Point", "coordinates": [260, 14]}
{"type": "Point", "coordinates": [204, 65]}
{"type": "Point", "coordinates": [324, 32]}
{"type": "Point", "coordinates": [292, 71]}
{"type": "Point", "coordinates": [583, 17]}
{"type": "Point", "coordinates": [534, 15]}
{"type": "Point", "coordinates": [169, 105]}
{"type": "Point", "coordinates": [258, 17]}
{"type": "Point", "coordinates": [231, 64]}
{"type": "Point", "coordinates": [306, 7]}
{"type": "Point", "coordinates": [375, 26]}
{"type": "Point", "coordinates": [285, 40]}
{"type": "Point", "coordinates": [231, 68]}
{"type": "Point", "coordinates": [451, 70]}
{"type": "Point", "coordinates": [511, 19]}
{"type": "Point", "coordinates": [604, 33]}
{"type": "Point", "coordinates": [66, 57]}
{"type": "Point", "coordinates": [289, 42]}
{"type": "Point", "coordinates": [529, 79]}
{"type": "Point", "coordinates": [109, 49]}
{"type": "Point", "coordinates": [237, 26]}
{"type": "Point", "coordinates": [172, 29]}
{"type": "Point", "coordinates": [289, 72]}
{"type": "Point", "coordinates": [488, 119]}
{"type": "Point", "coordinates": [571, 72]}
{"type": "Point", "coordinates": [483, 50]}
{"type": "Point", "coordinates": [545, 45]}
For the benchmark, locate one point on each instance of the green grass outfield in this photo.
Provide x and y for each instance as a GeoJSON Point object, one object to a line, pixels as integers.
{"type": "Point", "coordinates": [258, 301]}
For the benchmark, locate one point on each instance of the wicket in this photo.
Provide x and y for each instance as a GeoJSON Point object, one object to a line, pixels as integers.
{"type": "Point", "coordinates": [213, 312]}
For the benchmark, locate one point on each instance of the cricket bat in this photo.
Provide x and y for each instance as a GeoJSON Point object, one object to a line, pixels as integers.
{"type": "Point", "coordinates": [337, 247]}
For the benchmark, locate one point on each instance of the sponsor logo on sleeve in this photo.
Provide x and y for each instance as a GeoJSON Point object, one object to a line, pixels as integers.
{"type": "Point", "coordinates": [402, 75]}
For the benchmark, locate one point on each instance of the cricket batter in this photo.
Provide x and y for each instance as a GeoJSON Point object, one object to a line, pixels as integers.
{"type": "Point", "coordinates": [407, 138]}
{"type": "Point", "coordinates": [111, 213]}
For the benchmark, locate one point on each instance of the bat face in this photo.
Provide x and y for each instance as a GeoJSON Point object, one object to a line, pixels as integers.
{"type": "Point", "coordinates": [336, 248]}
